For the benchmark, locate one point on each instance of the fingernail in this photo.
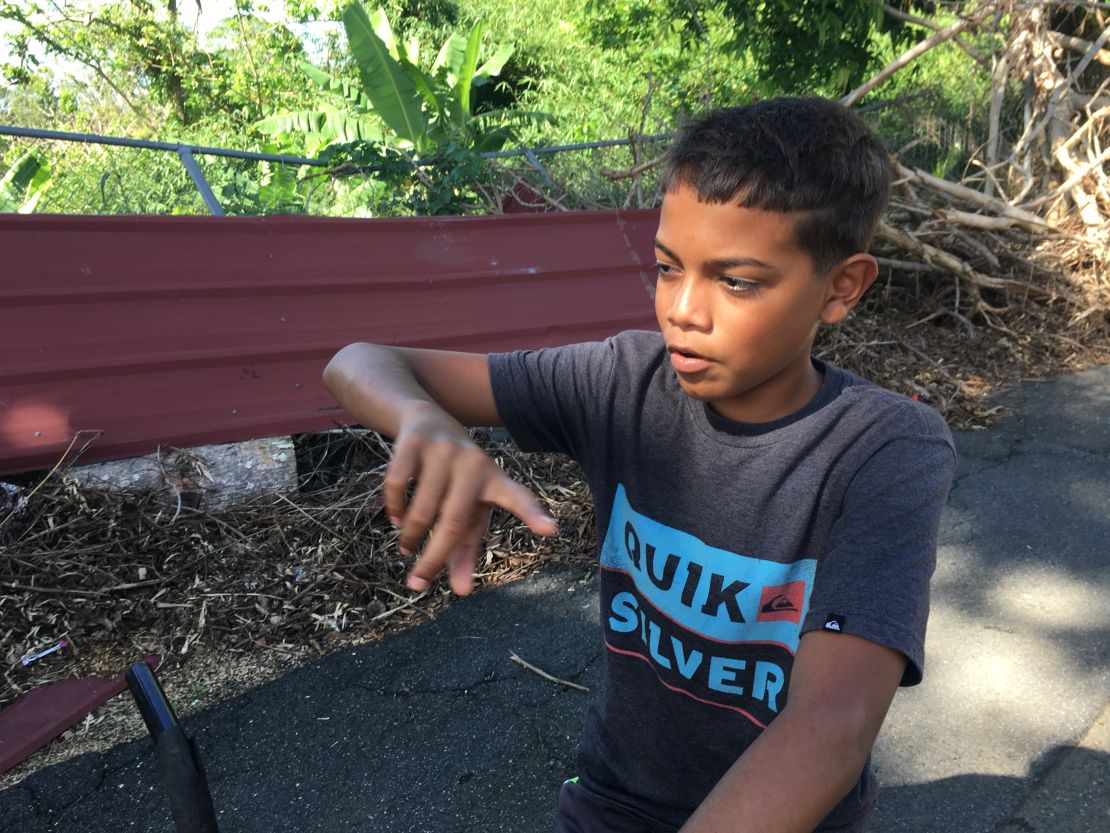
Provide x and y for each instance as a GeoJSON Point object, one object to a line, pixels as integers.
{"type": "Point", "coordinates": [417, 583]}
{"type": "Point", "coordinates": [405, 551]}
{"type": "Point", "coordinates": [393, 519]}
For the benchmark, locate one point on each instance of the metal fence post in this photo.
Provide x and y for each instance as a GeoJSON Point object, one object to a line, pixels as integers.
{"type": "Point", "coordinates": [197, 175]}
{"type": "Point", "coordinates": [534, 160]}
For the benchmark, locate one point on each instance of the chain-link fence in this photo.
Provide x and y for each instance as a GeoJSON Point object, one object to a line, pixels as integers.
{"type": "Point", "coordinates": [88, 174]}
{"type": "Point", "coordinates": [68, 173]}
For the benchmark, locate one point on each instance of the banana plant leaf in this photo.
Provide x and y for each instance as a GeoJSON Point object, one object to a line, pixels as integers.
{"type": "Point", "coordinates": [380, 23]}
{"type": "Point", "coordinates": [327, 123]}
{"type": "Point", "coordinates": [451, 56]}
{"type": "Point", "coordinates": [391, 91]}
{"type": "Point", "coordinates": [425, 85]}
{"type": "Point", "coordinates": [24, 184]}
{"type": "Point", "coordinates": [351, 92]}
{"type": "Point", "coordinates": [494, 64]}
{"type": "Point", "coordinates": [501, 116]}
{"type": "Point", "coordinates": [468, 67]}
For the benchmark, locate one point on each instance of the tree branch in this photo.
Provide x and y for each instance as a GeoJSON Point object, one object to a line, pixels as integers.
{"type": "Point", "coordinates": [87, 60]}
{"type": "Point", "coordinates": [1079, 45]}
{"type": "Point", "coordinates": [910, 55]}
{"type": "Point", "coordinates": [1026, 219]}
{"type": "Point", "coordinates": [898, 14]}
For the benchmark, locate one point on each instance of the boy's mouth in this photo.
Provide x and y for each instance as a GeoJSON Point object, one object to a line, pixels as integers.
{"type": "Point", "coordinates": [685, 360]}
{"type": "Point", "coordinates": [685, 352]}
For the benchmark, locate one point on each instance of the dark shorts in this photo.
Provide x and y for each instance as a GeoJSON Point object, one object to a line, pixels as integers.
{"type": "Point", "coordinates": [581, 811]}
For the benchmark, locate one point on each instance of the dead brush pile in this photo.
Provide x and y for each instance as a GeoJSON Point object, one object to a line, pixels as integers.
{"type": "Point", "coordinates": [119, 575]}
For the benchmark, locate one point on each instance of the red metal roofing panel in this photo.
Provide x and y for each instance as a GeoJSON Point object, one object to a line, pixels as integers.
{"type": "Point", "coordinates": [182, 331]}
{"type": "Point", "coordinates": [43, 713]}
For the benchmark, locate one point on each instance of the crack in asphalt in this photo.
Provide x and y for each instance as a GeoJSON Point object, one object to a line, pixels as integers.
{"type": "Point", "coordinates": [1024, 447]}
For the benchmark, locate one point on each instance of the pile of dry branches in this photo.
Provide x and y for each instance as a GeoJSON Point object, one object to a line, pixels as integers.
{"type": "Point", "coordinates": [1034, 206]}
{"type": "Point", "coordinates": [1006, 269]}
{"type": "Point", "coordinates": [117, 576]}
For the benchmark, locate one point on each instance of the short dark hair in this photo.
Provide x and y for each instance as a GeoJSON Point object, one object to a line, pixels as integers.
{"type": "Point", "coordinates": [805, 154]}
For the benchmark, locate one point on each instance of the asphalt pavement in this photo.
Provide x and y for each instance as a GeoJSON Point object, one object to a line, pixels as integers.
{"type": "Point", "coordinates": [437, 730]}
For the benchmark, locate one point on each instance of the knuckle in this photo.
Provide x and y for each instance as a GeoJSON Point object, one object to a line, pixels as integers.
{"type": "Point", "coordinates": [430, 562]}
{"type": "Point", "coordinates": [450, 447]}
{"type": "Point", "coordinates": [419, 519]}
{"type": "Point", "coordinates": [451, 527]}
{"type": "Point", "coordinates": [394, 479]}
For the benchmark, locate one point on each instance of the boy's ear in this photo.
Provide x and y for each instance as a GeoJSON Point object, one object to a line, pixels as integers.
{"type": "Point", "coordinates": [846, 284]}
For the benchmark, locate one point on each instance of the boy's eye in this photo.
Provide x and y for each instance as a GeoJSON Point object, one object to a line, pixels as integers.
{"type": "Point", "coordinates": [739, 286]}
{"type": "Point", "coordinates": [664, 269]}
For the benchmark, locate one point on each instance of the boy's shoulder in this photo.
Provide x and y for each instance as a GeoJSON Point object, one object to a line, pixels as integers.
{"type": "Point", "coordinates": [864, 405]}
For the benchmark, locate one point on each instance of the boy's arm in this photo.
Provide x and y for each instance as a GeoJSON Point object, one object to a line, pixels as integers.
{"type": "Point", "coordinates": [423, 399]}
{"type": "Point", "coordinates": [810, 756]}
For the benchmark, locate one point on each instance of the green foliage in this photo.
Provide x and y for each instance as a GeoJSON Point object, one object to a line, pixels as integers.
{"type": "Point", "coordinates": [24, 184]}
{"type": "Point", "coordinates": [822, 44]}
{"type": "Point", "coordinates": [565, 71]}
{"type": "Point", "coordinates": [389, 183]}
{"type": "Point", "coordinates": [934, 111]}
{"type": "Point", "coordinates": [589, 65]}
{"type": "Point", "coordinates": [400, 112]}
{"type": "Point", "coordinates": [391, 90]}
{"type": "Point", "coordinates": [421, 110]}
{"type": "Point", "coordinates": [267, 188]}
{"type": "Point", "coordinates": [141, 61]}
{"type": "Point", "coordinates": [319, 128]}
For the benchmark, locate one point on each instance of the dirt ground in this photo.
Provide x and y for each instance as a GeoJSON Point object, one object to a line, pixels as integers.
{"type": "Point", "coordinates": [233, 599]}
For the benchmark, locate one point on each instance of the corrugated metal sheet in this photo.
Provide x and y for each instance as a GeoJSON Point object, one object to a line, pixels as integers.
{"type": "Point", "coordinates": [183, 331]}
{"type": "Point", "coordinates": [43, 713]}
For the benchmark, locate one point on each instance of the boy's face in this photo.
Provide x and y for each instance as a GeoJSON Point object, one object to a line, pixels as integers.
{"type": "Point", "coordinates": [738, 303]}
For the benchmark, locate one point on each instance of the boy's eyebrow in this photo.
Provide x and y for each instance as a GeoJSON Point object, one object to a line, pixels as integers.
{"type": "Point", "coordinates": [722, 262]}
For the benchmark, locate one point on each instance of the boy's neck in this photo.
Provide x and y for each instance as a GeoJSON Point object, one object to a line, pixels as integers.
{"type": "Point", "coordinates": [777, 397]}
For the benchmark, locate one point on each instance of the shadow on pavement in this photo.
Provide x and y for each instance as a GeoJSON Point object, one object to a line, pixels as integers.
{"type": "Point", "coordinates": [961, 802]}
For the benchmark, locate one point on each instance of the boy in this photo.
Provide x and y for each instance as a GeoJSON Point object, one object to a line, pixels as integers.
{"type": "Point", "coordinates": [767, 522]}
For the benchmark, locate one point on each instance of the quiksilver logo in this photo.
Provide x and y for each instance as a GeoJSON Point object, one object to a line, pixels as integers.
{"type": "Point", "coordinates": [834, 623]}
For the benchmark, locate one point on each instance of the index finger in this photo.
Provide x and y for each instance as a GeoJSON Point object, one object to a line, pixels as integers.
{"type": "Point", "coordinates": [513, 497]}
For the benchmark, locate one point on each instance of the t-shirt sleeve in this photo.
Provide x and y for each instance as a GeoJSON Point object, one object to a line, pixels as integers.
{"type": "Point", "coordinates": [873, 580]}
{"type": "Point", "coordinates": [555, 398]}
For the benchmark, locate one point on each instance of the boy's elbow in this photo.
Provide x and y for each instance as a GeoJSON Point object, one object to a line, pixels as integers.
{"type": "Point", "coordinates": [334, 369]}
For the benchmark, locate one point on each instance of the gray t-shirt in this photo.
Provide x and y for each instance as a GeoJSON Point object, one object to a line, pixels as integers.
{"type": "Point", "coordinates": [721, 543]}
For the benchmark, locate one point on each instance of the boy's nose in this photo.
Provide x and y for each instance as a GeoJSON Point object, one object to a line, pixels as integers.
{"type": "Point", "coordinates": [688, 309]}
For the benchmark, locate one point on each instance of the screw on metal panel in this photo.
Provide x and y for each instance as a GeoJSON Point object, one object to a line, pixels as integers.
{"type": "Point", "coordinates": [38, 433]}
{"type": "Point", "coordinates": [235, 410]}
{"type": "Point", "coordinates": [284, 319]}
{"type": "Point", "coordinates": [296, 384]}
